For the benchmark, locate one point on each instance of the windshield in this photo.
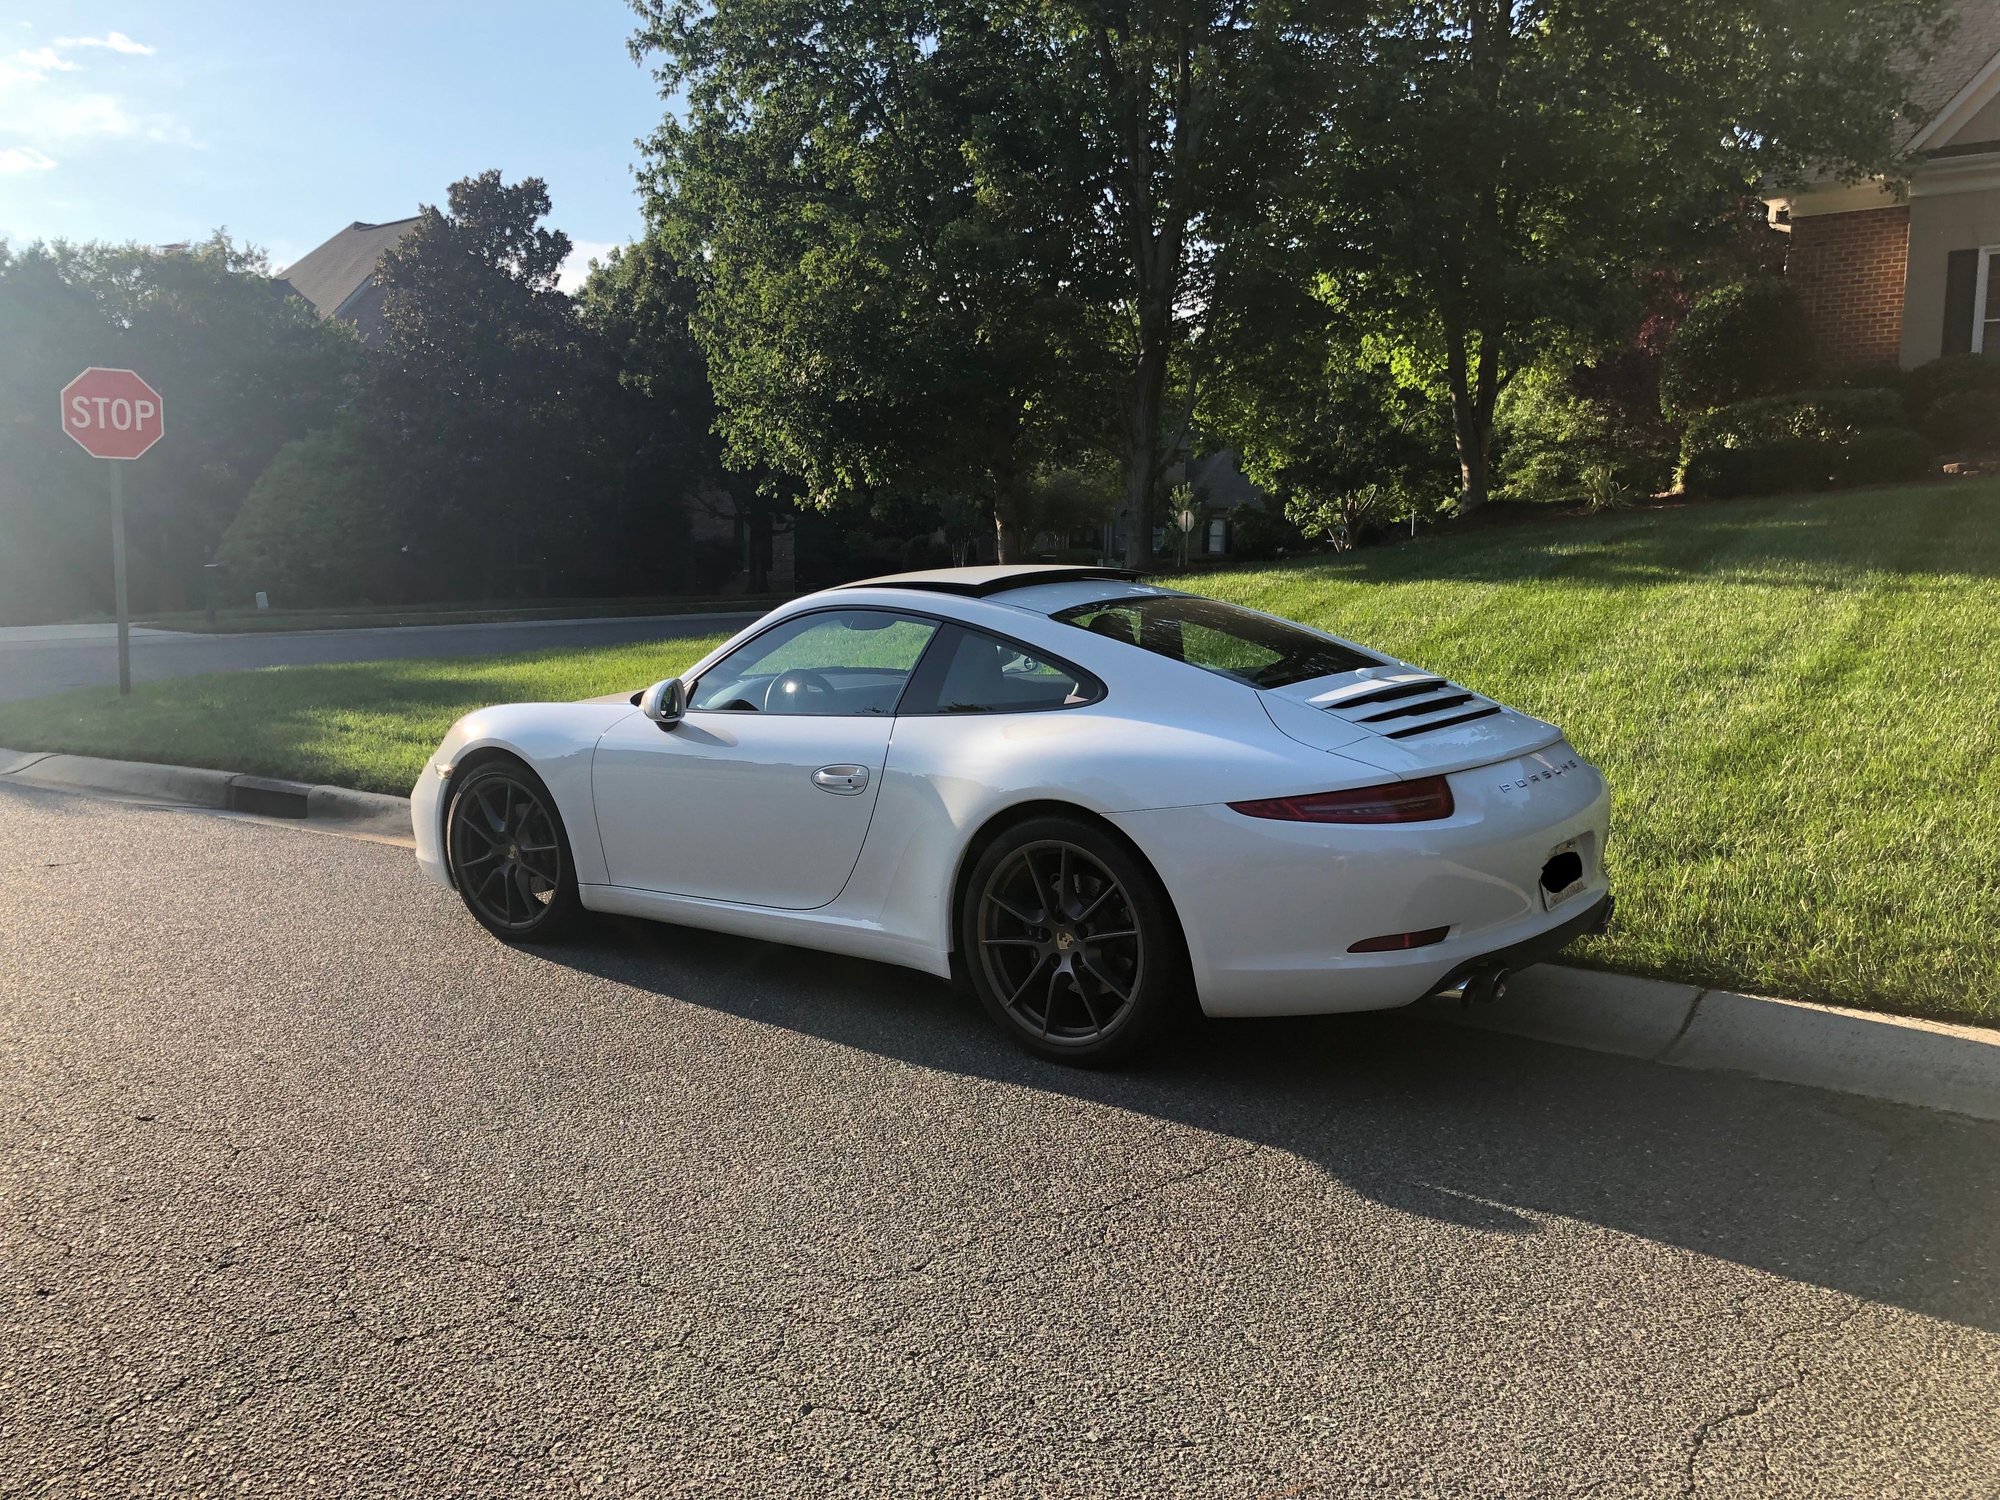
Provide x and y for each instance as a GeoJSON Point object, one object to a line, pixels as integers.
{"type": "Point", "coordinates": [1238, 643]}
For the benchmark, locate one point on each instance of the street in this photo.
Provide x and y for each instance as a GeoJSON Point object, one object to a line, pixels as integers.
{"type": "Point", "coordinates": [46, 659]}
{"type": "Point", "coordinates": [309, 1185]}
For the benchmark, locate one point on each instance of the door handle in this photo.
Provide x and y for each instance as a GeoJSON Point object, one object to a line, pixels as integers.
{"type": "Point", "coordinates": [843, 781]}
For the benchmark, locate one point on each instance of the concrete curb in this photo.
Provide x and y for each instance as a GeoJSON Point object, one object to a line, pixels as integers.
{"type": "Point", "coordinates": [357, 812]}
{"type": "Point", "coordinates": [1932, 1064]}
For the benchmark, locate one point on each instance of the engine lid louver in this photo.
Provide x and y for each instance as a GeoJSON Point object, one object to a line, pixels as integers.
{"type": "Point", "coordinates": [1406, 705]}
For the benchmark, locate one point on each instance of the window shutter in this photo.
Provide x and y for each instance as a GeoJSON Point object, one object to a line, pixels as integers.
{"type": "Point", "coordinates": [1961, 295]}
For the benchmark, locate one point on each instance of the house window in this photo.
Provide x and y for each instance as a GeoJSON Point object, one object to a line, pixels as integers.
{"type": "Point", "coordinates": [1218, 535]}
{"type": "Point", "coordinates": [1986, 306]}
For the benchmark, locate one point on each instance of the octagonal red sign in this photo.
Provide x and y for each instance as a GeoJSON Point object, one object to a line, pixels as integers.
{"type": "Point", "coordinates": [113, 413]}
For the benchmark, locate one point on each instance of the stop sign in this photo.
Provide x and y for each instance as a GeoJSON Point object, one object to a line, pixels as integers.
{"type": "Point", "coordinates": [112, 413]}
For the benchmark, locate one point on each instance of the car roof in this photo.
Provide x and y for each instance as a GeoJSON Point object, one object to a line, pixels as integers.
{"type": "Point", "coordinates": [983, 582]}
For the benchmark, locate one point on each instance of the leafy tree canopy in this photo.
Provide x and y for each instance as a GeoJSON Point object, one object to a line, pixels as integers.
{"type": "Point", "coordinates": [1495, 172]}
{"type": "Point", "coordinates": [242, 370]}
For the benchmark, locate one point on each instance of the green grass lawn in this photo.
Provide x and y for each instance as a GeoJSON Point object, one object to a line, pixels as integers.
{"type": "Point", "coordinates": [1797, 702]}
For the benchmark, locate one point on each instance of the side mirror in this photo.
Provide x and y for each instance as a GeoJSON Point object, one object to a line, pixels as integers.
{"type": "Point", "coordinates": [665, 702]}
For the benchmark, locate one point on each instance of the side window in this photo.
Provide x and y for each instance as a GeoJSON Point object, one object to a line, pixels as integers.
{"type": "Point", "coordinates": [971, 672]}
{"type": "Point", "coordinates": [846, 661]}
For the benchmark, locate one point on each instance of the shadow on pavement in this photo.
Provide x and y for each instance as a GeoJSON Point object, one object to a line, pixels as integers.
{"type": "Point", "coordinates": [1885, 1203]}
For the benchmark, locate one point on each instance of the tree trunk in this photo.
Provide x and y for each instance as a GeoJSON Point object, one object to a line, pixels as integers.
{"type": "Point", "coordinates": [1142, 436]}
{"type": "Point", "coordinates": [1475, 386]}
{"type": "Point", "coordinates": [1006, 538]}
{"type": "Point", "coordinates": [757, 569]}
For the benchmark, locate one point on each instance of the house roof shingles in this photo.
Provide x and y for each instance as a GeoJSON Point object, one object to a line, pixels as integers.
{"type": "Point", "coordinates": [328, 276]}
{"type": "Point", "coordinates": [1974, 38]}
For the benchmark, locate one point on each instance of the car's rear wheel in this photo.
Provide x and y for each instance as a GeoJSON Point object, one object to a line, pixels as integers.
{"type": "Point", "coordinates": [509, 853]}
{"type": "Point", "coordinates": [1070, 943]}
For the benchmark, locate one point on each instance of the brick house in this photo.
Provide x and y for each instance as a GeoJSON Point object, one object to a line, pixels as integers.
{"type": "Point", "coordinates": [1897, 272]}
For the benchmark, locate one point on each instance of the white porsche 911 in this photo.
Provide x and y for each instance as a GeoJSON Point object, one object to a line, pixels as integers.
{"type": "Point", "coordinates": [1090, 798]}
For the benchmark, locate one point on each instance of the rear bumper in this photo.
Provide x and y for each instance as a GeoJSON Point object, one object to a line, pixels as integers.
{"type": "Point", "coordinates": [1534, 950]}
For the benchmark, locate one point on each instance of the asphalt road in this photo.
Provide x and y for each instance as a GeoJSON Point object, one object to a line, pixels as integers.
{"type": "Point", "coordinates": [34, 662]}
{"type": "Point", "coordinates": [308, 1186]}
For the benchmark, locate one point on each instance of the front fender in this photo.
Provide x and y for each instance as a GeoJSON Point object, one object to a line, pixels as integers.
{"type": "Point", "coordinates": [556, 741]}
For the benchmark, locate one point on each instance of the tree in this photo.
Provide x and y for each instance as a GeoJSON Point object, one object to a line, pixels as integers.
{"type": "Point", "coordinates": [1496, 172]}
{"type": "Point", "coordinates": [883, 302]}
{"type": "Point", "coordinates": [659, 414]}
{"type": "Point", "coordinates": [484, 385]}
{"type": "Point", "coordinates": [1191, 114]}
{"type": "Point", "coordinates": [947, 244]}
{"type": "Point", "coordinates": [242, 369]}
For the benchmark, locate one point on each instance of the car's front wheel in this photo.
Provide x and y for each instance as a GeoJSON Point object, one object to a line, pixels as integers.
{"type": "Point", "coordinates": [1070, 942]}
{"type": "Point", "coordinates": [509, 853]}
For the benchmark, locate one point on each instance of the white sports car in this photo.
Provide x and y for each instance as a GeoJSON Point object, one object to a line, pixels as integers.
{"type": "Point", "coordinates": [1089, 798]}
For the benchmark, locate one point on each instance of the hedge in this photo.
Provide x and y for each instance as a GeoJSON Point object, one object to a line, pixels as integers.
{"type": "Point", "coordinates": [1826, 416]}
{"type": "Point", "coordinates": [1803, 442]}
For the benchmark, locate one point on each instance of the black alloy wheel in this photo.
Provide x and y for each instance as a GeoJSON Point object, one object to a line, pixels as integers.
{"type": "Point", "coordinates": [509, 855]}
{"type": "Point", "coordinates": [1070, 942]}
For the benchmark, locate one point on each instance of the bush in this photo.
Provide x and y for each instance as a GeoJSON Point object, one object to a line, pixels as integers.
{"type": "Point", "coordinates": [1768, 468]}
{"type": "Point", "coordinates": [1803, 442]}
{"type": "Point", "coordinates": [1351, 518]}
{"type": "Point", "coordinates": [711, 562]}
{"type": "Point", "coordinates": [1875, 377]}
{"type": "Point", "coordinates": [921, 552]}
{"type": "Point", "coordinates": [1827, 416]}
{"type": "Point", "coordinates": [1883, 456]}
{"type": "Point", "coordinates": [322, 525]}
{"type": "Point", "coordinates": [1552, 442]}
{"type": "Point", "coordinates": [1259, 535]}
{"type": "Point", "coordinates": [1739, 342]}
{"type": "Point", "coordinates": [1964, 419]}
{"type": "Point", "coordinates": [1955, 401]}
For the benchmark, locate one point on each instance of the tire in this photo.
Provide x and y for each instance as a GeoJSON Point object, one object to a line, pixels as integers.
{"type": "Point", "coordinates": [509, 854]}
{"type": "Point", "coordinates": [1101, 980]}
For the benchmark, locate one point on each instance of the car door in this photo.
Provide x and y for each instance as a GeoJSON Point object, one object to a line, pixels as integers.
{"type": "Point", "coordinates": [762, 793]}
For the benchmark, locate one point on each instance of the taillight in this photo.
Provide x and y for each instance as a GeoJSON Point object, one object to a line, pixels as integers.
{"type": "Point", "coordinates": [1398, 802]}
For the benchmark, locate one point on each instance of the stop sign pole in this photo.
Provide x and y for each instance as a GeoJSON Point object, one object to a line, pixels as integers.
{"type": "Point", "coordinates": [115, 416]}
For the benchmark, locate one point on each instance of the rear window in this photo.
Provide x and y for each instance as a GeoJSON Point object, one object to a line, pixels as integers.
{"type": "Point", "coordinates": [1238, 643]}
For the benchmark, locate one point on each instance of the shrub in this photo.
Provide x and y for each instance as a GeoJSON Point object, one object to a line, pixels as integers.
{"type": "Point", "coordinates": [1964, 419]}
{"type": "Point", "coordinates": [324, 524]}
{"type": "Point", "coordinates": [1259, 535]}
{"type": "Point", "coordinates": [1738, 342]}
{"type": "Point", "coordinates": [1955, 401]}
{"type": "Point", "coordinates": [921, 552]}
{"type": "Point", "coordinates": [1874, 377]}
{"type": "Point", "coordinates": [1883, 456]}
{"type": "Point", "coordinates": [1350, 518]}
{"type": "Point", "coordinates": [1765, 468]}
{"type": "Point", "coordinates": [711, 562]}
{"type": "Point", "coordinates": [1828, 416]}
{"type": "Point", "coordinates": [1553, 442]}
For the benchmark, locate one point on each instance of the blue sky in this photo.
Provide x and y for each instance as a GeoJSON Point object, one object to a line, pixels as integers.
{"type": "Point", "coordinates": [160, 122]}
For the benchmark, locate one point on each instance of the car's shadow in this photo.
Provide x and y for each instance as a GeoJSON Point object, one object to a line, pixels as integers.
{"type": "Point", "coordinates": [1894, 1205]}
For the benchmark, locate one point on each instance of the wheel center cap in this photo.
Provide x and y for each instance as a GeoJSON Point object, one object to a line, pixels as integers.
{"type": "Point", "coordinates": [513, 851]}
{"type": "Point", "coordinates": [1065, 941]}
